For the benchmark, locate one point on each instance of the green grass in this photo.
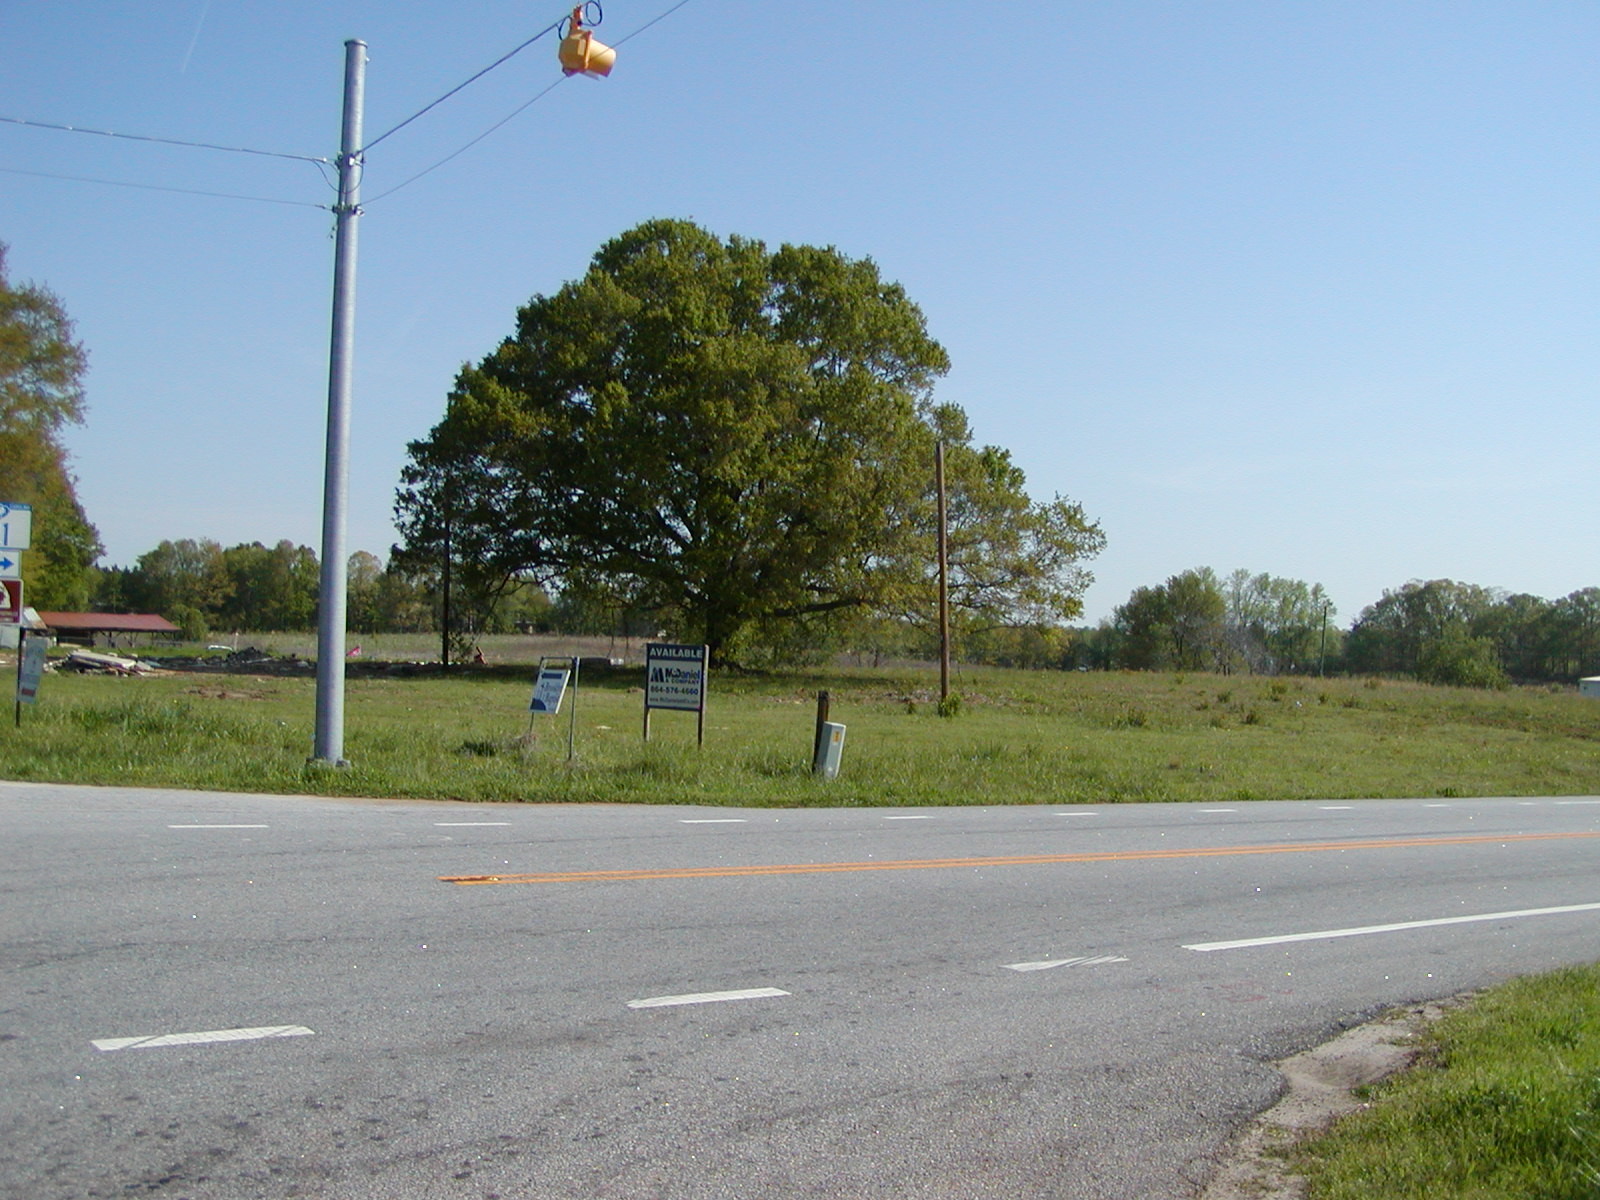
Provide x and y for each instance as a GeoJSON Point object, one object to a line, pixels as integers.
{"type": "Point", "coordinates": [1019, 737]}
{"type": "Point", "coordinates": [1505, 1107]}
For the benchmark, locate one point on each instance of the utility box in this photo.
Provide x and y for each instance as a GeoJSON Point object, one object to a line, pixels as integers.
{"type": "Point", "coordinates": [1590, 686]}
{"type": "Point", "coordinates": [830, 749]}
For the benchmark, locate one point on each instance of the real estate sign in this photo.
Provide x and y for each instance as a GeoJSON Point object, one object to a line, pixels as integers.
{"type": "Point", "coordinates": [675, 677]}
{"type": "Point", "coordinates": [548, 689]}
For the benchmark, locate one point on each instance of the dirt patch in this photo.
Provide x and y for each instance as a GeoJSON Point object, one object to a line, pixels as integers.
{"type": "Point", "coordinates": [218, 693]}
{"type": "Point", "coordinates": [1321, 1088]}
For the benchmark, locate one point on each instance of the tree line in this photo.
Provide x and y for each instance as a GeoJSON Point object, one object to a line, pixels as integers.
{"type": "Point", "coordinates": [722, 443]}
{"type": "Point", "coordinates": [1436, 631]}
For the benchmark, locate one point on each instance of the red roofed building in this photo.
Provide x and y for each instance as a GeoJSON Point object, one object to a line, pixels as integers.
{"type": "Point", "coordinates": [82, 628]}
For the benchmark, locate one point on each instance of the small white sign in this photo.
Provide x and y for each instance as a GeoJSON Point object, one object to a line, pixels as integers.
{"type": "Point", "coordinates": [16, 525]}
{"type": "Point", "coordinates": [31, 670]}
{"type": "Point", "coordinates": [548, 689]}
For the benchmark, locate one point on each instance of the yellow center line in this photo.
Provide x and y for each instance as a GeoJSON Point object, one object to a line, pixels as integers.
{"type": "Point", "coordinates": [1010, 860]}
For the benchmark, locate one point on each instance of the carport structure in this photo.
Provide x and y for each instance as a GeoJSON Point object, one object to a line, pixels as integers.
{"type": "Point", "coordinates": [83, 628]}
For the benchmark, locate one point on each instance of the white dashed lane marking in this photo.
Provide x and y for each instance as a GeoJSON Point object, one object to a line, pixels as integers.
{"type": "Point", "coordinates": [1049, 963]}
{"type": "Point", "coordinates": [218, 827]}
{"type": "Point", "coordinates": [714, 821]}
{"type": "Point", "coordinates": [706, 998]}
{"type": "Point", "coordinates": [192, 1039]}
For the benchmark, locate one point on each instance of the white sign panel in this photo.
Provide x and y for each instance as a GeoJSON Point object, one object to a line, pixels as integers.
{"type": "Point", "coordinates": [675, 676]}
{"type": "Point", "coordinates": [548, 689]}
{"type": "Point", "coordinates": [10, 564]}
{"type": "Point", "coordinates": [30, 671]}
{"type": "Point", "coordinates": [16, 526]}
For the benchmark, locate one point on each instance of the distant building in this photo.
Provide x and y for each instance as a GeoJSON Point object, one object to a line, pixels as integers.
{"type": "Point", "coordinates": [81, 629]}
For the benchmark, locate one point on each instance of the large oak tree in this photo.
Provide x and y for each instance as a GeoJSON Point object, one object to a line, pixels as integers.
{"type": "Point", "coordinates": [738, 439]}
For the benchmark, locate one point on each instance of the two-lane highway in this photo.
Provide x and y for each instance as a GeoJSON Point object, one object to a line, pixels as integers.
{"type": "Point", "coordinates": [213, 995]}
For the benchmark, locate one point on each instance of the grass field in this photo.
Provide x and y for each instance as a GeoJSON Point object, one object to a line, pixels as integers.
{"type": "Point", "coordinates": [1020, 736]}
{"type": "Point", "coordinates": [1506, 1106]}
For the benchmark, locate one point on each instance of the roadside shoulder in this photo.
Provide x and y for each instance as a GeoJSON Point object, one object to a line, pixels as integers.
{"type": "Point", "coordinates": [1322, 1085]}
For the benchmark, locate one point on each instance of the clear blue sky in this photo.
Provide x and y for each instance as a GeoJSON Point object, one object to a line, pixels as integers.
{"type": "Point", "coordinates": [1305, 287]}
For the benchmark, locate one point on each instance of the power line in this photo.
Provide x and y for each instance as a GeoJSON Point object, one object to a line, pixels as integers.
{"type": "Point", "coordinates": [458, 153]}
{"type": "Point", "coordinates": [320, 163]}
{"type": "Point", "coordinates": [510, 116]}
{"type": "Point", "coordinates": [653, 21]}
{"type": "Point", "coordinates": [504, 58]}
{"type": "Point", "coordinates": [152, 187]}
{"type": "Point", "coordinates": [138, 137]}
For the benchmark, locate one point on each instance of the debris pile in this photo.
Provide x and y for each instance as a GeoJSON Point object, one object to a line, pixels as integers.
{"type": "Point", "coordinates": [87, 662]}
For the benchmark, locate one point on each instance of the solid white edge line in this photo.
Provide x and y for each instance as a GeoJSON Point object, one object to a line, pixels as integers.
{"type": "Point", "coordinates": [706, 997]}
{"type": "Point", "coordinates": [1398, 927]}
{"type": "Point", "coordinates": [191, 1039]}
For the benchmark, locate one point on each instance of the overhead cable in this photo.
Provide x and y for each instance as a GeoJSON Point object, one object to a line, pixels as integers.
{"type": "Point", "coordinates": [504, 58]}
{"type": "Point", "coordinates": [138, 137]}
{"type": "Point", "coordinates": [510, 116]}
{"type": "Point", "coordinates": [152, 187]}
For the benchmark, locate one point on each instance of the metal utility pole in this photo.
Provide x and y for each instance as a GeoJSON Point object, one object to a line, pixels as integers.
{"type": "Point", "coordinates": [329, 745]}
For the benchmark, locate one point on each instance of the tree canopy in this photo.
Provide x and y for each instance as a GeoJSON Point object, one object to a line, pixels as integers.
{"type": "Point", "coordinates": [740, 441]}
{"type": "Point", "coordinates": [1196, 621]}
{"type": "Point", "coordinates": [41, 392]}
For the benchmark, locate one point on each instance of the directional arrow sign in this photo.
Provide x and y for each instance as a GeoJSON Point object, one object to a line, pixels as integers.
{"type": "Point", "coordinates": [16, 525]}
{"type": "Point", "coordinates": [10, 564]}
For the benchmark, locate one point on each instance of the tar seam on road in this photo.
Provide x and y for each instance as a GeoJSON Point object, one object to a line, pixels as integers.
{"type": "Point", "coordinates": [1016, 860]}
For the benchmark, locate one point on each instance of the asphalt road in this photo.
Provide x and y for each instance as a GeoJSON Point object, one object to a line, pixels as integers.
{"type": "Point", "coordinates": [404, 1000]}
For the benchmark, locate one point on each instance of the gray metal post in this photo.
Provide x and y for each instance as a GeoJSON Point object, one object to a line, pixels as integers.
{"type": "Point", "coordinates": [329, 747]}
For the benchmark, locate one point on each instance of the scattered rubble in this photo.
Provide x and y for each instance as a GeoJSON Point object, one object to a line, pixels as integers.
{"type": "Point", "coordinates": [89, 662]}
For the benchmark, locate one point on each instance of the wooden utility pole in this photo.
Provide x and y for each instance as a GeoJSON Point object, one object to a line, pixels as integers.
{"type": "Point", "coordinates": [944, 585]}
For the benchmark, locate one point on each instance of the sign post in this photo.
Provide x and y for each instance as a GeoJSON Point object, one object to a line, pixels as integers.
{"type": "Point", "coordinates": [675, 677]}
